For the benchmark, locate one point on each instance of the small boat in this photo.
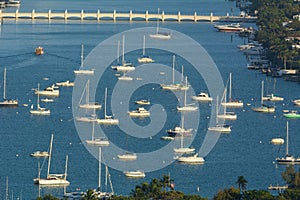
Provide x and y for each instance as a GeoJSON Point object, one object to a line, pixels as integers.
{"type": "Point", "coordinates": [135, 174]}
{"type": "Point", "coordinates": [167, 138]}
{"type": "Point", "coordinates": [88, 104]}
{"type": "Point", "coordinates": [180, 131]}
{"type": "Point", "coordinates": [202, 97]}
{"type": "Point", "coordinates": [193, 159]}
{"type": "Point", "coordinates": [49, 91]}
{"type": "Point", "coordinates": [65, 84]}
{"type": "Point", "coordinates": [107, 120]}
{"type": "Point", "coordinates": [182, 149]}
{"type": "Point", "coordinates": [159, 34]}
{"type": "Point", "coordinates": [234, 27]}
{"type": "Point", "coordinates": [264, 108]}
{"type": "Point", "coordinates": [46, 100]}
{"type": "Point", "coordinates": [277, 141]}
{"type": "Point", "coordinates": [39, 110]}
{"type": "Point", "coordinates": [139, 112]}
{"type": "Point", "coordinates": [39, 50]}
{"type": "Point", "coordinates": [7, 102]}
{"type": "Point", "coordinates": [142, 102]}
{"type": "Point", "coordinates": [296, 102]}
{"type": "Point", "coordinates": [125, 78]}
{"type": "Point", "coordinates": [144, 58]}
{"type": "Point", "coordinates": [40, 154]}
{"type": "Point", "coordinates": [101, 141]}
{"type": "Point", "coordinates": [288, 159]}
{"type": "Point", "coordinates": [187, 107]}
{"type": "Point", "coordinates": [232, 103]}
{"type": "Point", "coordinates": [272, 97]}
{"type": "Point", "coordinates": [83, 70]}
{"type": "Point", "coordinates": [127, 156]}
{"type": "Point", "coordinates": [292, 114]}
{"type": "Point", "coordinates": [277, 187]}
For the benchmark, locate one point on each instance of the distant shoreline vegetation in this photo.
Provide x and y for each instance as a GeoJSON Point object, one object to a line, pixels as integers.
{"type": "Point", "coordinates": [279, 31]}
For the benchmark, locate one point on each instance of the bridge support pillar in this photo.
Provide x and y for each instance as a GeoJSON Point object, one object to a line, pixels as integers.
{"type": "Point", "coordinates": [98, 15]}
{"type": "Point", "coordinates": [81, 15]}
{"type": "Point", "coordinates": [17, 14]}
{"type": "Point", "coordinates": [114, 16]}
{"type": "Point", "coordinates": [130, 15]}
{"type": "Point", "coordinates": [162, 16]}
{"type": "Point", "coordinates": [66, 15]}
{"type": "Point", "coordinates": [211, 17]}
{"type": "Point", "coordinates": [49, 14]}
{"type": "Point", "coordinates": [32, 14]}
{"type": "Point", "coordinates": [178, 16]}
{"type": "Point", "coordinates": [146, 16]}
{"type": "Point", "coordinates": [195, 17]}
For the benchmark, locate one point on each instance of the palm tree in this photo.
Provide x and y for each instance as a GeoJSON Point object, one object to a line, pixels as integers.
{"type": "Point", "coordinates": [242, 183]}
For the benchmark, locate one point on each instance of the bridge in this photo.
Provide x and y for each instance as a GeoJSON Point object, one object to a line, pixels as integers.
{"type": "Point", "coordinates": [119, 16]}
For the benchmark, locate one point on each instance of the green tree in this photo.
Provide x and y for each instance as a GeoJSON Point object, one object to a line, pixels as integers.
{"type": "Point", "coordinates": [242, 183]}
{"type": "Point", "coordinates": [228, 194]}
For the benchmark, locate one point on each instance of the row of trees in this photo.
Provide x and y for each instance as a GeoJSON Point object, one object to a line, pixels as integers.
{"type": "Point", "coordinates": [276, 24]}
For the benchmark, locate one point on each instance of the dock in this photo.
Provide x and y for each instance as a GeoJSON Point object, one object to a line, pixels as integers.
{"type": "Point", "coordinates": [122, 16]}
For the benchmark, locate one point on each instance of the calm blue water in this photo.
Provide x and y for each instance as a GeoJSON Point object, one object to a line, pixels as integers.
{"type": "Point", "coordinates": [245, 151]}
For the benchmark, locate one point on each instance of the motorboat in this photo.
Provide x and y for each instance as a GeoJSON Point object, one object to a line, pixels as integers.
{"type": "Point", "coordinates": [127, 156]}
{"type": "Point", "coordinates": [180, 130]}
{"type": "Point", "coordinates": [83, 70]}
{"type": "Point", "coordinates": [144, 58]}
{"type": "Point", "coordinates": [125, 78]}
{"type": "Point", "coordinates": [193, 159]}
{"type": "Point", "coordinates": [46, 100]}
{"type": "Point", "coordinates": [142, 102]}
{"type": "Point", "coordinates": [65, 84]}
{"type": "Point", "coordinates": [13, 3]}
{"type": "Point", "coordinates": [277, 141]}
{"type": "Point", "coordinates": [40, 154]}
{"type": "Point", "coordinates": [272, 97]}
{"type": "Point", "coordinates": [139, 112]}
{"type": "Point", "coordinates": [167, 138]}
{"type": "Point", "coordinates": [292, 114]}
{"type": "Point", "coordinates": [202, 97]}
{"type": "Point", "coordinates": [228, 116]}
{"type": "Point", "coordinates": [52, 91]}
{"type": "Point", "coordinates": [7, 102]}
{"type": "Point", "coordinates": [288, 158]}
{"type": "Point", "coordinates": [39, 50]}
{"type": "Point", "coordinates": [234, 27]}
{"type": "Point", "coordinates": [296, 102]}
{"type": "Point", "coordinates": [135, 174]}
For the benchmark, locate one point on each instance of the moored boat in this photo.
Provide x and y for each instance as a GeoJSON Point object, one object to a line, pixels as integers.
{"type": "Point", "coordinates": [139, 112]}
{"type": "Point", "coordinates": [292, 114]}
{"type": "Point", "coordinates": [39, 50]}
{"type": "Point", "coordinates": [202, 97]}
{"type": "Point", "coordinates": [135, 174]}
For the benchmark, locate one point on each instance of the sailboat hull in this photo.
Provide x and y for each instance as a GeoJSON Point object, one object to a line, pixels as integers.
{"type": "Point", "coordinates": [9, 103]}
{"type": "Point", "coordinates": [51, 182]}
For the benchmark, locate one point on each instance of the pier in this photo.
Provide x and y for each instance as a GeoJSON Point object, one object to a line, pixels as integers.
{"type": "Point", "coordinates": [121, 16]}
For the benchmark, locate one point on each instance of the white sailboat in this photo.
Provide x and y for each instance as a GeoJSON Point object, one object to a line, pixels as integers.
{"type": "Point", "coordinates": [287, 159]}
{"type": "Point", "coordinates": [180, 130]}
{"type": "Point", "coordinates": [144, 58]}
{"type": "Point", "coordinates": [226, 115]}
{"type": "Point", "coordinates": [264, 108]}
{"type": "Point", "coordinates": [82, 70]}
{"type": "Point", "coordinates": [88, 104]}
{"type": "Point", "coordinates": [7, 102]}
{"type": "Point", "coordinates": [272, 96]}
{"type": "Point", "coordinates": [221, 128]}
{"type": "Point", "coordinates": [159, 34]}
{"type": "Point", "coordinates": [232, 103]}
{"type": "Point", "coordinates": [124, 67]}
{"type": "Point", "coordinates": [39, 110]}
{"type": "Point", "coordinates": [173, 85]}
{"type": "Point", "coordinates": [127, 156]}
{"type": "Point", "coordinates": [183, 149]}
{"type": "Point", "coordinates": [97, 141]}
{"type": "Point", "coordinates": [187, 107]}
{"type": "Point", "coordinates": [193, 159]}
{"type": "Point", "coordinates": [107, 120]}
{"type": "Point", "coordinates": [53, 179]}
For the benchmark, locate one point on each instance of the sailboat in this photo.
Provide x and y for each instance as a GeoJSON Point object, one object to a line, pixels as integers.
{"type": "Point", "coordinates": [108, 120]}
{"type": "Point", "coordinates": [232, 103]}
{"type": "Point", "coordinates": [88, 104]}
{"type": "Point", "coordinates": [82, 70]}
{"type": "Point", "coordinates": [97, 141]}
{"type": "Point", "coordinates": [124, 67]}
{"type": "Point", "coordinates": [7, 102]}
{"type": "Point", "coordinates": [127, 156]}
{"type": "Point", "coordinates": [288, 159]}
{"type": "Point", "coordinates": [272, 96]}
{"type": "Point", "coordinates": [159, 34]}
{"type": "Point", "coordinates": [187, 107]}
{"type": "Point", "coordinates": [53, 179]}
{"type": "Point", "coordinates": [192, 159]}
{"type": "Point", "coordinates": [180, 130]}
{"type": "Point", "coordinates": [182, 149]}
{"type": "Point", "coordinates": [39, 110]}
{"type": "Point", "coordinates": [174, 86]}
{"type": "Point", "coordinates": [227, 115]}
{"type": "Point", "coordinates": [144, 58]}
{"type": "Point", "coordinates": [222, 128]}
{"type": "Point", "coordinates": [264, 108]}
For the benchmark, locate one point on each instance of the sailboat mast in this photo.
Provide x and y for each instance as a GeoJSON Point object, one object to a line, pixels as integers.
{"type": "Point", "coordinates": [105, 102]}
{"type": "Point", "coordinates": [87, 95]}
{"type": "Point", "coordinates": [230, 86]}
{"type": "Point", "coordinates": [185, 92]}
{"type": "Point", "coordinates": [38, 98]}
{"type": "Point", "coordinates": [99, 178]}
{"type": "Point", "coordinates": [262, 92]}
{"type": "Point", "coordinates": [182, 73]}
{"type": "Point", "coordinates": [157, 25]}
{"type": "Point", "coordinates": [118, 52]}
{"type": "Point", "coordinates": [50, 154]}
{"type": "Point", "coordinates": [144, 45]}
{"type": "Point", "coordinates": [93, 130]}
{"type": "Point", "coordinates": [225, 100]}
{"type": "Point", "coordinates": [123, 47]}
{"type": "Point", "coordinates": [287, 138]}
{"type": "Point", "coordinates": [4, 84]}
{"type": "Point", "coordinates": [66, 167]}
{"type": "Point", "coordinates": [173, 73]}
{"type": "Point", "coordinates": [81, 57]}
{"type": "Point", "coordinates": [217, 102]}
